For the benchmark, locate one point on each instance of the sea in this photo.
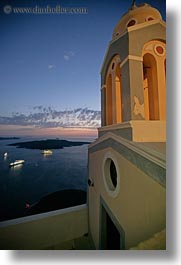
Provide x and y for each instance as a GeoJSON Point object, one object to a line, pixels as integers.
{"type": "Point", "coordinates": [40, 175]}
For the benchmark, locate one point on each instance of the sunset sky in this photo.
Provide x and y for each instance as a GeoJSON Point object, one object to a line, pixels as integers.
{"type": "Point", "coordinates": [50, 64]}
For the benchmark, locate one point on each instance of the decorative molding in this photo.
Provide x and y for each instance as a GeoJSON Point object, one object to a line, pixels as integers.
{"type": "Point", "coordinates": [156, 52]}
{"type": "Point", "coordinates": [149, 161]}
{"type": "Point", "coordinates": [149, 47]}
{"type": "Point", "coordinates": [131, 57]}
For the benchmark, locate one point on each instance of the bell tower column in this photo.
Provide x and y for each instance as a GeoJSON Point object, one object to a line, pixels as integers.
{"type": "Point", "coordinates": [136, 84]}
{"type": "Point", "coordinates": [103, 105]}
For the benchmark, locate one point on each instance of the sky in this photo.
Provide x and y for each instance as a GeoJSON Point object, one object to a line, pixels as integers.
{"type": "Point", "coordinates": [50, 63]}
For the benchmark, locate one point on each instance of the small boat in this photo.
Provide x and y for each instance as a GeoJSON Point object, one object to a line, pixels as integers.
{"type": "Point", "coordinates": [27, 205]}
{"type": "Point", "coordinates": [47, 152]}
{"type": "Point", "coordinates": [5, 155]}
{"type": "Point", "coordinates": [16, 163]}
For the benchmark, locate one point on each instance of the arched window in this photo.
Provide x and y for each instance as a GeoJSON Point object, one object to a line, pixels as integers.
{"type": "Point", "coordinates": [118, 88]}
{"type": "Point", "coordinates": [154, 76]}
{"type": "Point", "coordinates": [113, 93]}
{"type": "Point", "coordinates": [109, 104]}
{"type": "Point", "coordinates": [150, 86]}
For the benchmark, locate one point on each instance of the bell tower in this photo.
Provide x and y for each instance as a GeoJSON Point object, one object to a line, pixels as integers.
{"type": "Point", "coordinates": [127, 163]}
{"type": "Point", "coordinates": [133, 76]}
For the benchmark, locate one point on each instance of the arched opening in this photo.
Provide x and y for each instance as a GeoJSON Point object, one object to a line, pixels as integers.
{"type": "Point", "coordinates": [109, 105]}
{"type": "Point", "coordinates": [112, 95]}
{"type": "Point", "coordinates": [150, 86]}
{"type": "Point", "coordinates": [118, 88]}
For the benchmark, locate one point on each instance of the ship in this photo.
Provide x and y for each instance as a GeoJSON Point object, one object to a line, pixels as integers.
{"type": "Point", "coordinates": [5, 155]}
{"type": "Point", "coordinates": [47, 152]}
{"type": "Point", "coordinates": [16, 163]}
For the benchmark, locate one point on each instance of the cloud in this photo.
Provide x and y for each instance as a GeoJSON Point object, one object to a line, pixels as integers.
{"type": "Point", "coordinates": [38, 108]}
{"type": "Point", "coordinates": [51, 66]}
{"type": "Point", "coordinates": [68, 55]}
{"type": "Point", "coordinates": [49, 118]}
{"type": "Point", "coordinates": [14, 130]}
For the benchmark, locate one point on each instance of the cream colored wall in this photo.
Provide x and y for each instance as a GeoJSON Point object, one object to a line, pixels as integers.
{"type": "Point", "coordinates": [139, 206]}
{"type": "Point", "coordinates": [149, 131]}
{"type": "Point", "coordinates": [44, 230]}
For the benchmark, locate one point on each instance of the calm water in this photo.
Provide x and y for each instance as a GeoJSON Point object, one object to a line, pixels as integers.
{"type": "Point", "coordinates": [40, 175]}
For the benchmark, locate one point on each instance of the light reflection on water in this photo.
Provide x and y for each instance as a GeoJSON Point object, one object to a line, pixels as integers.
{"type": "Point", "coordinates": [46, 155]}
{"type": "Point", "coordinates": [16, 167]}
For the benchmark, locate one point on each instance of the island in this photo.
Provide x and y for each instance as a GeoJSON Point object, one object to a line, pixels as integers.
{"type": "Point", "coordinates": [47, 144]}
{"type": "Point", "coordinates": [9, 138]}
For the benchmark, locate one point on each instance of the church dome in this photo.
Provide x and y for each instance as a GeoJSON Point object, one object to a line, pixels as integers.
{"type": "Point", "coordinates": [136, 15]}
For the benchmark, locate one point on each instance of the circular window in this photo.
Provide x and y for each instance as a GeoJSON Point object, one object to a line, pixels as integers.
{"type": "Point", "coordinates": [111, 175]}
{"type": "Point", "coordinates": [149, 18]}
{"type": "Point", "coordinates": [159, 50]}
{"type": "Point", "coordinates": [132, 22]}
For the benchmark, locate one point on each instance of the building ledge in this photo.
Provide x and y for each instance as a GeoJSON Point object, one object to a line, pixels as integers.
{"type": "Point", "coordinates": [138, 130]}
{"type": "Point", "coordinates": [43, 231]}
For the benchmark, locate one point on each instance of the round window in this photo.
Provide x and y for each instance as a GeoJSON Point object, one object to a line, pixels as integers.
{"type": "Point", "coordinates": [131, 23]}
{"type": "Point", "coordinates": [149, 18]}
{"type": "Point", "coordinates": [159, 50]}
{"type": "Point", "coordinates": [111, 175]}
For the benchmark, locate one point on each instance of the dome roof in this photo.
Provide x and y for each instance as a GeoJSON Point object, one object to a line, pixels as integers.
{"type": "Point", "coordinates": [136, 15]}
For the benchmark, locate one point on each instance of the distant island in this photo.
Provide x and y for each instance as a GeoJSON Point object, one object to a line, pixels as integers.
{"type": "Point", "coordinates": [9, 138]}
{"type": "Point", "coordinates": [47, 144]}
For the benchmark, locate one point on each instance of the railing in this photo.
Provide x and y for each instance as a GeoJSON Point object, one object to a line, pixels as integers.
{"type": "Point", "coordinates": [45, 230]}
